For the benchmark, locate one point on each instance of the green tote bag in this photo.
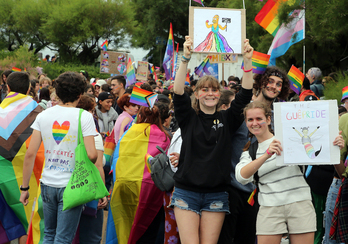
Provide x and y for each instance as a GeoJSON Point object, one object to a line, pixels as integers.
{"type": "Point", "coordinates": [85, 183]}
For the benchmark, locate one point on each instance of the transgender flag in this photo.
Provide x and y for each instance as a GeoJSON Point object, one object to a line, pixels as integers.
{"type": "Point", "coordinates": [288, 35]}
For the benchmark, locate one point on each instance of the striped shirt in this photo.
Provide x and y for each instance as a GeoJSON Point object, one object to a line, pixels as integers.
{"type": "Point", "coordinates": [278, 185]}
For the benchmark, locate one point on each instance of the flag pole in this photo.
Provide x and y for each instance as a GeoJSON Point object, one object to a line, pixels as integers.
{"type": "Point", "coordinates": [243, 4]}
{"type": "Point", "coordinates": [304, 43]}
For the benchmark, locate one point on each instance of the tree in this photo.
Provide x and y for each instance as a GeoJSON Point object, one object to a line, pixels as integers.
{"type": "Point", "coordinates": [75, 28]}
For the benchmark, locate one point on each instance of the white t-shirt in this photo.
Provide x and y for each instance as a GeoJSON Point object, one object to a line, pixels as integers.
{"type": "Point", "coordinates": [59, 129]}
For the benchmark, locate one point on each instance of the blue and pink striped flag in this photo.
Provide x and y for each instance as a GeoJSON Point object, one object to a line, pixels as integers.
{"type": "Point", "coordinates": [288, 35]}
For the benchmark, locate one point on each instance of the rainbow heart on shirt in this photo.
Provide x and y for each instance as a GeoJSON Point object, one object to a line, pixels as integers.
{"type": "Point", "coordinates": [60, 131]}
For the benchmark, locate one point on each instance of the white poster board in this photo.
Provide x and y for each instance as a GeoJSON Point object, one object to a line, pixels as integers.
{"type": "Point", "coordinates": [217, 30]}
{"type": "Point", "coordinates": [306, 131]}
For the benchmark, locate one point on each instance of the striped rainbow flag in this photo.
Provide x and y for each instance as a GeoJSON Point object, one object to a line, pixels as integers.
{"type": "Point", "coordinates": [199, 1]}
{"type": "Point", "coordinates": [14, 69]}
{"type": "Point", "coordinates": [17, 113]}
{"type": "Point", "coordinates": [259, 62]}
{"type": "Point", "coordinates": [105, 45]}
{"type": "Point", "coordinates": [135, 199]}
{"type": "Point", "coordinates": [296, 79]}
{"type": "Point", "coordinates": [131, 79]}
{"type": "Point", "coordinates": [267, 17]}
{"type": "Point", "coordinates": [344, 95]}
{"type": "Point", "coordinates": [139, 95]}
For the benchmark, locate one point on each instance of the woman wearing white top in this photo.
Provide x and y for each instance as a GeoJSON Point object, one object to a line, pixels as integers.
{"type": "Point", "coordinates": [284, 196]}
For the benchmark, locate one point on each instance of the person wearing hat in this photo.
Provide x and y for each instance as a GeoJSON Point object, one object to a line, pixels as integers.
{"type": "Point", "coordinates": [97, 86]}
{"type": "Point", "coordinates": [344, 99]}
{"type": "Point", "coordinates": [106, 113]}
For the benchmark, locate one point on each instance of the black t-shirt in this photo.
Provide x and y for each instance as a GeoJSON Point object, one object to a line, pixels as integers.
{"type": "Point", "coordinates": [205, 157]}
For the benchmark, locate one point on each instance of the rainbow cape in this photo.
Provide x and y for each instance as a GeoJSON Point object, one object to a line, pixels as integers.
{"type": "Point", "coordinates": [105, 45]}
{"type": "Point", "coordinates": [259, 62]}
{"type": "Point", "coordinates": [135, 199]}
{"type": "Point", "coordinates": [296, 79]}
{"type": "Point", "coordinates": [131, 79]}
{"type": "Point", "coordinates": [17, 113]}
{"type": "Point", "coordinates": [267, 17]}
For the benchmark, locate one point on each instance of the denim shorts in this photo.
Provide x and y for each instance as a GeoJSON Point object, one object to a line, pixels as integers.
{"type": "Point", "coordinates": [198, 202]}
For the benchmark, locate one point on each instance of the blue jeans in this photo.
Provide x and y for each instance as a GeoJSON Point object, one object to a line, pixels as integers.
{"type": "Point", "coordinates": [60, 226]}
{"type": "Point", "coordinates": [329, 209]}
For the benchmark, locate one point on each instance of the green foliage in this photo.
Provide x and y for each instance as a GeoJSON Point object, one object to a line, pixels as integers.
{"type": "Point", "coordinates": [20, 58]}
{"type": "Point", "coordinates": [333, 90]}
{"type": "Point", "coordinates": [53, 70]}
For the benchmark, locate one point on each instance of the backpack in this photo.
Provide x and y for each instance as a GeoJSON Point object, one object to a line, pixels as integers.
{"type": "Point", "coordinates": [161, 173]}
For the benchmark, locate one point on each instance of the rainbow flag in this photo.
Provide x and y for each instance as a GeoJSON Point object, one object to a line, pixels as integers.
{"type": "Point", "coordinates": [199, 1]}
{"type": "Point", "coordinates": [344, 96]}
{"type": "Point", "coordinates": [204, 68]}
{"type": "Point", "coordinates": [296, 79]}
{"type": "Point", "coordinates": [251, 199]}
{"type": "Point", "coordinates": [135, 199]}
{"type": "Point", "coordinates": [176, 61]}
{"type": "Point", "coordinates": [139, 95]}
{"type": "Point", "coordinates": [288, 35]}
{"type": "Point", "coordinates": [187, 79]}
{"type": "Point", "coordinates": [14, 69]}
{"type": "Point", "coordinates": [17, 113]}
{"type": "Point", "coordinates": [105, 45]}
{"type": "Point", "coordinates": [109, 147]}
{"type": "Point", "coordinates": [259, 62]}
{"type": "Point", "coordinates": [131, 79]}
{"type": "Point", "coordinates": [267, 17]}
{"type": "Point", "coordinates": [168, 60]}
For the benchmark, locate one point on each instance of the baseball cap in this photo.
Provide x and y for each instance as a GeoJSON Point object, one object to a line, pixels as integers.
{"type": "Point", "coordinates": [104, 95]}
{"type": "Point", "coordinates": [100, 82]}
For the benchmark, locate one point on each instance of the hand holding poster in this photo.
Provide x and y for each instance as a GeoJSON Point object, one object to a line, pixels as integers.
{"type": "Point", "coordinates": [306, 131]}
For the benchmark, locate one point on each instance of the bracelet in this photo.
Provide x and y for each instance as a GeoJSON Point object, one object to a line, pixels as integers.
{"type": "Point", "coordinates": [184, 61]}
{"type": "Point", "coordinates": [187, 59]}
{"type": "Point", "coordinates": [269, 152]}
{"type": "Point", "coordinates": [246, 71]}
{"type": "Point", "coordinates": [24, 188]}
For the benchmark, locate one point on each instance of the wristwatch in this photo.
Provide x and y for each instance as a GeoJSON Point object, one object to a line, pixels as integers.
{"type": "Point", "coordinates": [24, 188]}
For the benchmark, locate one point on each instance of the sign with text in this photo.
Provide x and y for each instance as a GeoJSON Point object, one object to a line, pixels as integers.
{"type": "Point", "coordinates": [306, 131]}
{"type": "Point", "coordinates": [223, 58]}
{"type": "Point", "coordinates": [142, 70]}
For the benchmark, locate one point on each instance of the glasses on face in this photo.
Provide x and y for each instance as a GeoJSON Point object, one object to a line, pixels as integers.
{"type": "Point", "coordinates": [277, 83]}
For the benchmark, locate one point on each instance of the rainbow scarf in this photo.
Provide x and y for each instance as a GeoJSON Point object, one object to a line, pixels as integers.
{"type": "Point", "coordinates": [296, 78]}
{"type": "Point", "coordinates": [17, 113]}
{"type": "Point", "coordinates": [135, 200]}
{"type": "Point", "coordinates": [267, 17]}
{"type": "Point", "coordinates": [131, 79]}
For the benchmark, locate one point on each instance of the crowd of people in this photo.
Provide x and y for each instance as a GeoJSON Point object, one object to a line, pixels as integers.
{"type": "Point", "coordinates": [220, 143]}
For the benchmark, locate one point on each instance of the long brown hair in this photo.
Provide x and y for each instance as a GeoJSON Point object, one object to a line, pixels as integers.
{"type": "Point", "coordinates": [151, 116]}
{"type": "Point", "coordinates": [268, 114]}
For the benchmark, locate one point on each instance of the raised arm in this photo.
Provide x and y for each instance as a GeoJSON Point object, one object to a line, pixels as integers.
{"type": "Point", "coordinates": [179, 82]}
{"type": "Point", "coordinates": [247, 57]}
